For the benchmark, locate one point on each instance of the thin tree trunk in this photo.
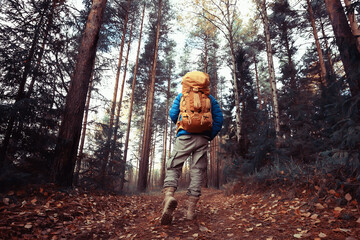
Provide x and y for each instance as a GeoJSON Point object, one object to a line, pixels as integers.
{"type": "Point", "coordinates": [318, 47]}
{"type": "Point", "coordinates": [291, 64]}
{"type": "Point", "coordinates": [206, 54]}
{"type": "Point", "coordinates": [353, 23]}
{"type": "Point", "coordinates": [170, 133]}
{"type": "Point", "coordinates": [271, 72]}
{"type": "Point", "coordinates": [83, 135]}
{"type": "Point", "coordinates": [236, 93]}
{"type": "Point", "coordinates": [144, 163]}
{"type": "Point", "coordinates": [346, 42]}
{"type": "Point", "coordinates": [163, 163]}
{"type": "Point", "coordinates": [113, 103]}
{"type": "Point", "coordinates": [133, 90]}
{"type": "Point", "coordinates": [152, 158]}
{"type": "Point", "coordinates": [70, 130]}
{"type": "Point", "coordinates": [118, 110]}
{"type": "Point", "coordinates": [328, 51]}
{"type": "Point", "coordinates": [257, 83]}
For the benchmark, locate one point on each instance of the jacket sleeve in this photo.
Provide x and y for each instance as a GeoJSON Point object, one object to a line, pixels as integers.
{"type": "Point", "coordinates": [175, 109]}
{"type": "Point", "coordinates": [217, 117]}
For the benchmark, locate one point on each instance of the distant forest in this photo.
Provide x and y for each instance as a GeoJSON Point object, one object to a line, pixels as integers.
{"type": "Point", "coordinates": [290, 99]}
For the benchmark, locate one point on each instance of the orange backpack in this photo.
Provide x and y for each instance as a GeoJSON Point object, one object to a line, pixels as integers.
{"type": "Point", "coordinates": [195, 106]}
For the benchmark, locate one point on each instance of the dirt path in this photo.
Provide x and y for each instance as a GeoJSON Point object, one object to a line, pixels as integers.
{"type": "Point", "coordinates": [256, 216]}
{"type": "Point", "coordinates": [47, 214]}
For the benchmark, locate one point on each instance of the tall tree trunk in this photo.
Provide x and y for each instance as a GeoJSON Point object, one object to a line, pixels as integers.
{"type": "Point", "coordinates": [132, 91]}
{"type": "Point", "coordinates": [83, 134]}
{"type": "Point", "coordinates": [144, 160]}
{"type": "Point", "coordinates": [353, 23]}
{"type": "Point", "coordinates": [113, 103]}
{"type": "Point", "coordinates": [318, 47]}
{"type": "Point", "coordinates": [271, 72]}
{"type": "Point", "coordinates": [70, 130]}
{"type": "Point", "coordinates": [152, 158]}
{"type": "Point", "coordinates": [206, 54]}
{"type": "Point", "coordinates": [290, 63]}
{"type": "Point", "coordinates": [170, 138]}
{"type": "Point", "coordinates": [257, 83]}
{"type": "Point", "coordinates": [328, 51]}
{"type": "Point", "coordinates": [236, 92]}
{"type": "Point", "coordinates": [118, 110]}
{"type": "Point", "coordinates": [346, 42]}
{"type": "Point", "coordinates": [163, 162]}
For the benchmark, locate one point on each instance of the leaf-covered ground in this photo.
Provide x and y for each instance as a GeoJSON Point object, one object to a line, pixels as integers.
{"type": "Point", "coordinates": [47, 213]}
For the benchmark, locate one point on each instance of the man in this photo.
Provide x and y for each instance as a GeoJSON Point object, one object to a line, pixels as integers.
{"type": "Point", "coordinates": [191, 112]}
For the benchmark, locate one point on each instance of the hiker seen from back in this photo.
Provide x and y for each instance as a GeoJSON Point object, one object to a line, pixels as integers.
{"type": "Point", "coordinates": [199, 119]}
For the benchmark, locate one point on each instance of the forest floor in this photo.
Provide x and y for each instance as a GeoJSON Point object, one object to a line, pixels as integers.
{"type": "Point", "coordinates": [44, 212]}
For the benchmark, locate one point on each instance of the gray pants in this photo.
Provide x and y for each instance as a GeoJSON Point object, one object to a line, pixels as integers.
{"type": "Point", "coordinates": [185, 145]}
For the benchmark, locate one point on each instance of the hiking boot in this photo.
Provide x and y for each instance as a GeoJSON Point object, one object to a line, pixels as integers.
{"type": "Point", "coordinates": [170, 204]}
{"type": "Point", "coordinates": [191, 205]}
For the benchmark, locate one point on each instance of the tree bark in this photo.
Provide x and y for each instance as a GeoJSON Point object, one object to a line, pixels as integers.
{"type": "Point", "coordinates": [170, 138]}
{"type": "Point", "coordinates": [257, 83]}
{"type": "Point", "coordinates": [318, 47]}
{"type": "Point", "coordinates": [328, 51]}
{"type": "Point", "coordinates": [271, 71]}
{"type": "Point", "coordinates": [346, 42]}
{"type": "Point", "coordinates": [133, 90]}
{"type": "Point", "coordinates": [118, 110]}
{"type": "Point", "coordinates": [144, 160]}
{"type": "Point", "coordinates": [83, 134]}
{"type": "Point", "coordinates": [70, 130]}
{"type": "Point", "coordinates": [353, 23]}
{"type": "Point", "coordinates": [163, 163]}
{"type": "Point", "coordinates": [113, 103]}
{"type": "Point", "coordinates": [206, 54]}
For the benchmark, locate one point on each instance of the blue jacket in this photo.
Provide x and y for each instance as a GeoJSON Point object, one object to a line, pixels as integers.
{"type": "Point", "coordinates": [216, 113]}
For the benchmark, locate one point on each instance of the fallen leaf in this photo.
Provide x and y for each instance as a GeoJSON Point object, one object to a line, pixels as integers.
{"type": "Point", "coordinates": [230, 234]}
{"type": "Point", "coordinates": [338, 209]}
{"type": "Point", "coordinates": [203, 229]}
{"type": "Point", "coordinates": [298, 235]}
{"type": "Point", "coordinates": [232, 218]}
{"type": "Point", "coordinates": [6, 201]}
{"type": "Point", "coordinates": [322, 235]}
{"type": "Point", "coordinates": [28, 226]}
{"type": "Point", "coordinates": [358, 221]}
{"type": "Point", "coordinates": [332, 191]}
{"type": "Point", "coordinates": [314, 216]}
{"type": "Point", "coordinates": [348, 197]}
{"type": "Point", "coordinates": [249, 229]}
{"type": "Point", "coordinates": [195, 235]}
{"type": "Point", "coordinates": [319, 206]}
{"type": "Point", "coordinates": [306, 214]}
{"type": "Point", "coordinates": [34, 201]}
